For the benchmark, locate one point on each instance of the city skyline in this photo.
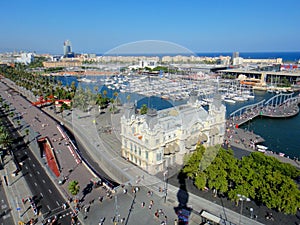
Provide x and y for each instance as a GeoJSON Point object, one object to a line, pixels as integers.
{"type": "Point", "coordinates": [200, 26]}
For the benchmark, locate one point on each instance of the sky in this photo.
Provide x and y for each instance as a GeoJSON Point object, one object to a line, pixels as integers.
{"type": "Point", "coordinates": [97, 26]}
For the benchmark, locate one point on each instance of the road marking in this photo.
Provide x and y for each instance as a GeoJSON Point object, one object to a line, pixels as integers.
{"type": "Point", "coordinates": [30, 175]}
{"type": "Point", "coordinates": [44, 181]}
{"type": "Point", "coordinates": [37, 172]}
{"type": "Point", "coordinates": [50, 191]}
{"type": "Point", "coordinates": [35, 184]}
{"type": "Point", "coordinates": [57, 203]}
{"type": "Point", "coordinates": [48, 207]}
{"type": "Point", "coordinates": [42, 195]}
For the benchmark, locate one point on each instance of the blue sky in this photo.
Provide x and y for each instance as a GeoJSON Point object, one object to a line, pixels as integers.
{"type": "Point", "coordinates": [199, 25]}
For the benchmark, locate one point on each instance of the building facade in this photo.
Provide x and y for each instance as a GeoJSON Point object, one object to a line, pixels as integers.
{"type": "Point", "coordinates": [160, 139]}
{"type": "Point", "coordinates": [25, 58]}
{"type": "Point", "coordinates": [63, 63]}
{"type": "Point", "coordinates": [68, 49]}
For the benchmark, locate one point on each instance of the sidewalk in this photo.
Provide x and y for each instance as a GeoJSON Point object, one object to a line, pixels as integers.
{"type": "Point", "coordinates": [16, 190]}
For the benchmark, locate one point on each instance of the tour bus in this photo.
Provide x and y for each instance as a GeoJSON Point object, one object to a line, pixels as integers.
{"type": "Point", "coordinates": [211, 219]}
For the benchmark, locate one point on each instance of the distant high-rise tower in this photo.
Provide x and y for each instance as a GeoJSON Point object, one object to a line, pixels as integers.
{"type": "Point", "coordinates": [235, 55]}
{"type": "Point", "coordinates": [67, 48]}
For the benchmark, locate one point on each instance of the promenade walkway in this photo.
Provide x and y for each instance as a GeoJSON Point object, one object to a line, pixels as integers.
{"type": "Point", "coordinates": [276, 107]}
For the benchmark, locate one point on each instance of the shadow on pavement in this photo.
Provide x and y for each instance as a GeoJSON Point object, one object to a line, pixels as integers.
{"type": "Point", "coordinates": [182, 210]}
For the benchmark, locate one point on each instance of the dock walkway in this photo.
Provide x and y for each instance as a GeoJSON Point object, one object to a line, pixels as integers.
{"type": "Point", "coordinates": [279, 109]}
{"type": "Point", "coordinates": [273, 108]}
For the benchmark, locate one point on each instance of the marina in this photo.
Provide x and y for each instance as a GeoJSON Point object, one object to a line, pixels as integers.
{"type": "Point", "coordinates": [172, 88]}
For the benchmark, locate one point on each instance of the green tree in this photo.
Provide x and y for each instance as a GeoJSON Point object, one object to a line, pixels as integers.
{"type": "Point", "coordinates": [201, 180]}
{"type": "Point", "coordinates": [74, 187]}
{"type": "Point", "coordinates": [5, 139]}
{"type": "Point", "coordinates": [261, 178]}
{"type": "Point", "coordinates": [11, 114]}
{"type": "Point", "coordinates": [144, 109]}
{"type": "Point", "coordinates": [18, 122]}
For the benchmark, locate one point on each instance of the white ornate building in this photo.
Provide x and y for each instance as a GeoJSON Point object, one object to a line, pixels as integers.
{"type": "Point", "coordinates": [161, 138]}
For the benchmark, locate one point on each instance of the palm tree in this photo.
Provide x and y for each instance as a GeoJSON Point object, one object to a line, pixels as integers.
{"type": "Point", "coordinates": [96, 89]}
{"type": "Point", "coordinates": [11, 114]}
{"type": "Point", "coordinates": [73, 86]}
{"type": "Point", "coordinates": [62, 108]}
{"type": "Point", "coordinates": [19, 123]}
{"type": "Point", "coordinates": [5, 139]}
{"type": "Point", "coordinates": [104, 93]}
{"type": "Point", "coordinates": [144, 109]}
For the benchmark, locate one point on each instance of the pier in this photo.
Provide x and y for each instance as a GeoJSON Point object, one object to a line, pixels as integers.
{"type": "Point", "coordinates": [279, 106]}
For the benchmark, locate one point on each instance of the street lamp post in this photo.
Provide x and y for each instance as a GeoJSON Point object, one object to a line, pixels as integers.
{"type": "Point", "coordinates": [251, 213]}
{"type": "Point", "coordinates": [166, 185]}
{"type": "Point", "coordinates": [242, 198]}
{"type": "Point", "coordinates": [116, 210]}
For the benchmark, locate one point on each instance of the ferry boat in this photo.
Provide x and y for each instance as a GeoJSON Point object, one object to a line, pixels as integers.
{"type": "Point", "coordinates": [228, 100]}
{"type": "Point", "coordinates": [261, 148]}
{"type": "Point", "coordinates": [86, 80]}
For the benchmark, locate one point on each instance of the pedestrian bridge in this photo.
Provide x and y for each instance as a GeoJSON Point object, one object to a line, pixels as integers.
{"type": "Point", "coordinates": [279, 106]}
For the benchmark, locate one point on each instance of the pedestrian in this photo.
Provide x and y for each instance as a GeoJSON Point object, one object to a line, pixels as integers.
{"type": "Point", "coordinates": [64, 206]}
{"type": "Point", "coordinates": [143, 204]}
{"type": "Point", "coordinates": [156, 214]}
{"type": "Point", "coordinates": [150, 207]}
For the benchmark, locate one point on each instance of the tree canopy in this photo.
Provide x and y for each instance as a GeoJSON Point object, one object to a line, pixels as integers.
{"type": "Point", "coordinates": [262, 178]}
{"type": "Point", "coordinates": [74, 187]}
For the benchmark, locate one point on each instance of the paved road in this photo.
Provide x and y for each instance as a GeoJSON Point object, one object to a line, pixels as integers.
{"type": "Point", "coordinates": [44, 194]}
